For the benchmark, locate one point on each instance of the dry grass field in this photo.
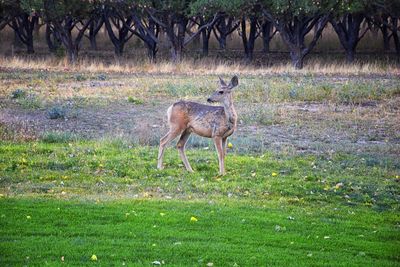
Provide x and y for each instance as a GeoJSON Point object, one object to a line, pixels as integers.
{"type": "Point", "coordinates": [295, 112]}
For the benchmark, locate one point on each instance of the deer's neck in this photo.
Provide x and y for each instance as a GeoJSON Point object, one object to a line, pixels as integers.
{"type": "Point", "coordinates": [230, 112]}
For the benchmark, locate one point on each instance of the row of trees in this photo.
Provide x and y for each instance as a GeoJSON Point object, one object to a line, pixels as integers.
{"type": "Point", "coordinates": [67, 22]}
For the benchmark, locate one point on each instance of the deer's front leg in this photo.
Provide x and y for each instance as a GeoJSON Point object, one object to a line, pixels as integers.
{"type": "Point", "coordinates": [220, 151]}
{"type": "Point", "coordinates": [224, 145]}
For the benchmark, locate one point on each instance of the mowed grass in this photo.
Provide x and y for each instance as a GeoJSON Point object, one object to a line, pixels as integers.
{"type": "Point", "coordinates": [69, 201]}
{"type": "Point", "coordinates": [139, 232]}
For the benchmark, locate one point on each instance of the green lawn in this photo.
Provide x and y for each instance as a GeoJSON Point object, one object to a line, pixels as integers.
{"type": "Point", "coordinates": [73, 200]}
{"type": "Point", "coordinates": [139, 232]}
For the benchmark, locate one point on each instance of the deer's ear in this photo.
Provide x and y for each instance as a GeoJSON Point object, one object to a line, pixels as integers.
{"type": "Point", "coordinates": [234, 82]}
{"type": "Point", "coordinates": [221, 82]}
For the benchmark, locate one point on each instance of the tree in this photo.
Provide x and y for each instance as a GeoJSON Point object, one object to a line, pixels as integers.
{"type": "Point", "coordinates": [94, 28]}
{"type": "Point", "coordinates": [389, 12]}
{"type": "Point", "coordinates": [223, 28]}
{"type": "Point", "coordinates": [346, 22]}
{"type": "Point", "coordinates": [294, 20]}
{"type": "Point", "coordinates": [173, 17]}
{"type": "Point", "coordinates": [65, 16]}
{"type": "Point", "coordinates": [23, 24]}
{"type": "Point", "coordinates": [381, 21]}
{"type": "Point", "coordinates": [250, 12]}
{"type": "Point", "coordinates": [118, 22]}
{"type": "Point", "coordinates": [147, 30]}
{"type": "Point", "coordinates": [7, 12]}
{"type": "Point", "coordinates": [52, 38]}
{"type": "Point", "coordinates": [203, 13]}
{"type": "Point", "coordinates": [267, 33]}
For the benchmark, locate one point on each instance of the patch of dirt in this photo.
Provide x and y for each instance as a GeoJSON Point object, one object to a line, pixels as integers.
{"type": "Point", "coordinates": [298, 127]}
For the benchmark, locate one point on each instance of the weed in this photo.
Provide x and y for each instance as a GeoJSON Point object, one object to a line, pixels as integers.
{"type": "Point", "coordinates": [102, 77]}
{"type": "Point", "coordinates": [80, 77]}
{"type": "Point", "coordinates": [135, 101]}
{"type": "Point", "coordinates": [30, 101]}
{"type": "Point", "coordinates": [18, 93]}
{"type": "Point", "coordinates": [56, 112]}
{"type": "Point", "coordinates": [60, 52]}
{"type": "Point", "coordinates": [261, 115]}
{"type": "Point", "coordinates": [58, 137]}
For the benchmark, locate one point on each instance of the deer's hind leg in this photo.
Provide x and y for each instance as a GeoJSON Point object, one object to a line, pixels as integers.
{"type": "Point", "coordinates": [171, 135]}
{"type": "Point", "coordinates": [181, 148]}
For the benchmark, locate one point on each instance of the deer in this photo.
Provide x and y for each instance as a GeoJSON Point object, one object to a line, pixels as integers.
{"type": "Point", "coordinates": [216, 122]}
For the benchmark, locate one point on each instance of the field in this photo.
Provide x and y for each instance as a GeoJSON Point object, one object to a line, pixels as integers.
{"type": "Point", "coordinates": [312, 175]}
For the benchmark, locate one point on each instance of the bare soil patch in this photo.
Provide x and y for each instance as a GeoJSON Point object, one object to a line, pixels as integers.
{"type": "Point", "coordinates": [292, 127]}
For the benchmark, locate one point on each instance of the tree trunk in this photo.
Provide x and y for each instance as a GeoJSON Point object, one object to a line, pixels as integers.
{"type": "Point", "coordinates": [72, 55]}
{"type": "Point", "coordinates": [205, 42]}
{"type": "Point", "coordinates": [297, 59]}
{"type": "Point", "coordinates": [248, 42]}
{"type": "Point", "coordinates": [152, 53]}
{"type": "Point", "coordinates": [29, 46]}
{"type": "Point", "coordinates": [49, 42]}
{"type": "Point", "coordinates": [150, 42]}
{"type": "Point", "coordinates": [222, 36]}
{"type": "Point", "coordinates": [222, 29]}
{"type": "Point", "coordinates": [205, 38]}
{"type": "Point", "coordinates": [37, 29]}
{"type": "Point", "coordinates": [92, 36]}
{"type": "Point", "coordinates": [94, 28]}
{"type": "Point", "coordinates": [119, 49]}
{"type": "Point", "coordinates": [17, 41]}
{"type": "Point", "coordinates": [252, 37]}
{"type": "Point", "coordinates": [177, 40]}
{"type": "Point", "coordinates": [93, 42]}
{"type": "Point", "coordinates": [385, 34]}
{"type": "Point", "coordinates": [396, 36]}
{"type": "Point", "coordinates": [350, 55]}
{"type": "Point", "coordinates": [266, 31]}
{"type": "Point", "coordinates": [53, 42]}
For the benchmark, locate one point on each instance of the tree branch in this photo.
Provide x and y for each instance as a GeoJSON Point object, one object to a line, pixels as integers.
{"type": "Point", "coordinates": [217, 16]}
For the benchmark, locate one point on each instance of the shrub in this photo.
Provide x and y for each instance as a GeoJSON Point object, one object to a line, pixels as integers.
{"type": "Point", "coordinates": [80, 77]}
{"type": "Point", "coordinates": [30, 101]}
{"type": "Point", "coordinates": [58, 137]}
{"type": "Point", "coordinates": [18, 93]}
{"type": "Point", "coordinates": [102, 77]}
{"type": "Point", "coordinates": [135, 100]}
{"type": "Point", "coordinates": [59, 52]}
{"type": "Point", "coordinates": [56, 112]}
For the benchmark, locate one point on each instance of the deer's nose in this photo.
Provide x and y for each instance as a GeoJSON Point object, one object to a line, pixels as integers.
{"type": "Point", "coordinates": [209, 100]}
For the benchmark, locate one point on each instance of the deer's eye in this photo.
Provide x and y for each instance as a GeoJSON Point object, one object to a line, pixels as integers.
{"type": "Point", "coordinates": [220, 92]}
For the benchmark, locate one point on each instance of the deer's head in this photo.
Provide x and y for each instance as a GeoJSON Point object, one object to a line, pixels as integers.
{"type": "Point", "coordinates": [224, 91]}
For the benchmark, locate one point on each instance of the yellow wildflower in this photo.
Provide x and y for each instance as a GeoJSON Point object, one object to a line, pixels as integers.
{"type": "Point", "coordinates": [193, 219]}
